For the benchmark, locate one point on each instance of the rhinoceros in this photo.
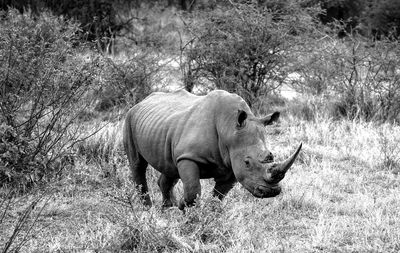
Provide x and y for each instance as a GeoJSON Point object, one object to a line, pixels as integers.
{"type": "Point", "coordinates": [190, 137]}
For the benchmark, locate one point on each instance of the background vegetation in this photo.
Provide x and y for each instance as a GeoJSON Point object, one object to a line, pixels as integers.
{"type": "Point", "coordinates": [71, 69]}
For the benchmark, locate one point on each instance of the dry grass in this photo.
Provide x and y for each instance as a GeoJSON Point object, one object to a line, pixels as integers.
{"type": "Point", "coordinates": [341, 196]}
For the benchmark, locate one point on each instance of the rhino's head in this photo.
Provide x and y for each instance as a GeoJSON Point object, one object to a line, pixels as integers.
{"type": "Point", "coordinates": [252, 163]}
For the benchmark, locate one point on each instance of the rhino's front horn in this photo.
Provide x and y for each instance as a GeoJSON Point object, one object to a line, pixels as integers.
{"type": "Point", "coordinates": [278, 170]}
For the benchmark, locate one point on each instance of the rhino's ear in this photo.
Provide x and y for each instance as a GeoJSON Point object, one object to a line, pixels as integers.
{"type": "Point", "coordinates": [271, 118]}
{"type": "Point", "coordinates": [241, 119]}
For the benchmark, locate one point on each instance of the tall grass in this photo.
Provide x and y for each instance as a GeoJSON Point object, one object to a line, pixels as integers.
{"type": "Point", "coordinates": [19, 226]}
{"type": "Point", "coordinates": [340, 196]}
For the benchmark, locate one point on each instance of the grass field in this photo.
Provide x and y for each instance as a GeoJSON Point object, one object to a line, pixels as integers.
{"type": "Point", "coordinates": [342, 195]}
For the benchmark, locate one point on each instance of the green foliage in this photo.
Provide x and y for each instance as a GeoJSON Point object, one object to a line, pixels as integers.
{"type": "Point", "coordinates": [43, 88]}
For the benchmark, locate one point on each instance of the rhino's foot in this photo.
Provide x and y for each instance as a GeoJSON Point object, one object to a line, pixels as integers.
{"type": "Point", "coordinates": [168, 203]}
{"type": "Point", "coordinates": [184, 203]}
{"type": "Point", "coordinates": [166, 185]}
{"type": "Point", "coordinates": [146, 200]}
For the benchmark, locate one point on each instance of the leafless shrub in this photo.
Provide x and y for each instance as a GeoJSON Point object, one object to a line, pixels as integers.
{"type": "Point", "coordinates": [360, 74]}
{"type": "Point", "coordinates": [126, 81]}
{"type": "Point", "coordinates": [44, 87]}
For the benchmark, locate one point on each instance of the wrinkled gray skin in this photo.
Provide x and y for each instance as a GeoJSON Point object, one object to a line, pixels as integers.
{"type": "Point", "coordinates": [191, 137]}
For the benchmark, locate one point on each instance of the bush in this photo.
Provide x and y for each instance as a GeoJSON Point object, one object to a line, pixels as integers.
{"type": "Point", "coordinates": [373, 18]}
{"type": "Point", "coordinates": [383, 18]}
{"type": "Point", "coordinates": [127, 81]}
{"type": "Point", "coordinates": [242, 49]}
{"type": "Point", "coordinates": [98, 18]}
{"type": "Point", "coordinates": [360, 74]}
{"type": "Point", "coordinates": [43, 89]}
{"type": "Point", "coordinates": [348, 11]}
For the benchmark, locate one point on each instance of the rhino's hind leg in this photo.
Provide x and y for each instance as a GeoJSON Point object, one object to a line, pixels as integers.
{"type": "Point", "coordinates": [166, 185]}
{"type": "Point", "coordinates": [138, 169]}
{"type": "Point", "coordinates": [223, 186]}
{"type": "Point", "coordinates": [190, 176]}
{"type": "Point", "coordinates": [137, 163]}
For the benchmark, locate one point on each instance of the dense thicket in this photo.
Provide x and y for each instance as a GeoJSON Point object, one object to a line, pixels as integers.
{"type": "Point", "coordinates": [97, 18]}
{"type": "Point", "coordinates": [383, 17]}
{"type": "Point", "coordinates": [371, 17]}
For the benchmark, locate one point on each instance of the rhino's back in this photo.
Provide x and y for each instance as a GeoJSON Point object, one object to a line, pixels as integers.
{"type": "Point", "coordinates": [173, 102]}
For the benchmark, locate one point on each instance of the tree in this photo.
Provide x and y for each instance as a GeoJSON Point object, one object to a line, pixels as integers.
{"type": "Point", "coordinates": [243, 48]}
{"type": "Point", "coordinates": [382, 17]}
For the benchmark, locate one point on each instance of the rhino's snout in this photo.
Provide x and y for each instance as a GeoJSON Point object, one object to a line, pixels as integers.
{"type": "Point", "coordinates": [261, 175]}
{"type": "Point", "coordinates": [273, 173]}
{"type": "Point", "coordinates": [267, 191]}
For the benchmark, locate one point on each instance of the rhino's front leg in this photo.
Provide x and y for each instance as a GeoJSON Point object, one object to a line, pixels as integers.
{"type": "Point", "coordinates": [223, 186]}
{"type": "Point", "coordinates": [190, 176]}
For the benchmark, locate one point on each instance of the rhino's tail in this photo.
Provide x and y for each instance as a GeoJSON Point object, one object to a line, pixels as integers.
{"type": "Point", "coordinates": [137, 163]}
{"type": "Point", "coordinates": [128, 141]}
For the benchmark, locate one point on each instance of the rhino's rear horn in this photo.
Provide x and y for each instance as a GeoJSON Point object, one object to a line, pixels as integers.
{"type": "Point", "coordinates": [285, 166]}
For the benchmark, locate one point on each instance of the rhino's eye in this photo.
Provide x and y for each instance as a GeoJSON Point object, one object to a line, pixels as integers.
{"type": "Point", "coordinates": [247, 162]}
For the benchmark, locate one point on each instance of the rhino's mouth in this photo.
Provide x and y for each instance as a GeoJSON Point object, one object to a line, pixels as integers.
{"type": "Point", "coordinates": [264, 191]}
